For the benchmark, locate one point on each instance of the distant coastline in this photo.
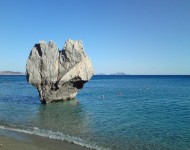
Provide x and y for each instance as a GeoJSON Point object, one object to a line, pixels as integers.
{"type": "Point", "coordinates": [118, 73]}
{"type": "Point", "coordinates": [98, 74]}
{"type": "Point", "coordinates": [11, 73]}
{"type": "Point", "coordinates": [145, 75]}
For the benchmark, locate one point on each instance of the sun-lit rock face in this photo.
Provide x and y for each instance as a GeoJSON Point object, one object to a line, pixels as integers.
{"type": "Point", "coordinates": [58, 75]}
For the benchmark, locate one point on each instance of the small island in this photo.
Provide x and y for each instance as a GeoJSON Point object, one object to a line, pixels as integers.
{"type": "Point", "coordinates": [11, 73]}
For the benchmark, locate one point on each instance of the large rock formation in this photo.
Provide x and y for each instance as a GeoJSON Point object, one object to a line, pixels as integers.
{"type": "Point", "coordinates": [58, 75]}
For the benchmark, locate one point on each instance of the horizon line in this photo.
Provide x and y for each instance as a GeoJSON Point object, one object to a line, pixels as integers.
{"type": "Point", "coordinates": [114, 74]}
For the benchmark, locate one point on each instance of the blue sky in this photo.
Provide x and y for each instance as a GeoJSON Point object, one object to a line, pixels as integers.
{"type": "Point", "coordinates": [131, 36]}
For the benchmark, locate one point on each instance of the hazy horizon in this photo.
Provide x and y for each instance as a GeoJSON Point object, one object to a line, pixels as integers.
{"type": "Point", "coordinates": [114, 73]}
{"type": "Point", "coordinates": [131, 36]}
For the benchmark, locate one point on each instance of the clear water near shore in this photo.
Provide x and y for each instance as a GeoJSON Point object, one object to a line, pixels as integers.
{"type": "Point", "coordinates": [115, 112]}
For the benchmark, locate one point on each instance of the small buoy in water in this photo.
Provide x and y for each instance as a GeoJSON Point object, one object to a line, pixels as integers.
{"type": "Point", "coordinates": [102, 96]}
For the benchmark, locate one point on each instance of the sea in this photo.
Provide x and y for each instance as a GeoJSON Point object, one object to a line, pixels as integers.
{"type": "Point", "coordinates": [127, 112]}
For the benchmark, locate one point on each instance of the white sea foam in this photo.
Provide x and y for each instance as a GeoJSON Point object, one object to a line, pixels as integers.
{"type": "Point", "coordinates": [56, 135]}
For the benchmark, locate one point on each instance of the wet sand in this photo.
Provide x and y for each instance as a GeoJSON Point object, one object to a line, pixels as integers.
{"type": "Point", "coordinates": [12, 140]}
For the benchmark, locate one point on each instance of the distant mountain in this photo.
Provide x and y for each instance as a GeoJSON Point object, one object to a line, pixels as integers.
{"type": "Point", "coordinates": [11, 73]}
{"type": "Point", "coordinates": [101, 74]}
{"type": "Point", "coordinates": [119, 73]}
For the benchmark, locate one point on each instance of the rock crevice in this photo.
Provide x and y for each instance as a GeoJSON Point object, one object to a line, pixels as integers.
{"type": "Point", "coordinates": [58, 75]}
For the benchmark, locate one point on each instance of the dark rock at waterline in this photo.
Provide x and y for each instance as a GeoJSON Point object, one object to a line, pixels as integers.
{"type": "Point", "coordinates": [58, 75]}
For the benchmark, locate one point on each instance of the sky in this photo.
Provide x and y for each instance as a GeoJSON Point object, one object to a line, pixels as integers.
{"type": "Point", "coordinates": [132, 36]}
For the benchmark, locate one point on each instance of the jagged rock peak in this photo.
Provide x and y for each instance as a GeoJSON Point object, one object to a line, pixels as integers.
{"type": "Point", "coordinates": [58, 75]}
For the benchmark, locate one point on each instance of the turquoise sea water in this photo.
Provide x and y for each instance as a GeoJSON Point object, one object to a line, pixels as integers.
{"type": "Point", "coordinates": [115, 112]}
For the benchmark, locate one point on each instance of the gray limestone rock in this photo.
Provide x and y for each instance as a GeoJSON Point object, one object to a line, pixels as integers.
{"type": "Point", "coordinates": [58, 75]}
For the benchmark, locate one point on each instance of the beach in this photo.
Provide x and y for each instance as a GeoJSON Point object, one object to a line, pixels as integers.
{"type": "Point", "coordinates": [12, 140]}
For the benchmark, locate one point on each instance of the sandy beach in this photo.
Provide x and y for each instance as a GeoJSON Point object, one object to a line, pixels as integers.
{"type": "Point", "coordinates": [12, 140]}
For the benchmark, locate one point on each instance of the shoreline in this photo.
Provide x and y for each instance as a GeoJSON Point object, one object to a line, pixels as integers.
{"type": "Point", "coordinates": [10, 140]}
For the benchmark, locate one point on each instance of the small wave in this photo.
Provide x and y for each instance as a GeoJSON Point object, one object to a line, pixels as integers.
{"type": "Point", "coordinates": [57, 136]}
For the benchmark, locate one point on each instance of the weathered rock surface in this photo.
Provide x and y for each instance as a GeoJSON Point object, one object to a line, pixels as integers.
{"type": "Point", "coordinates": [58, 75]}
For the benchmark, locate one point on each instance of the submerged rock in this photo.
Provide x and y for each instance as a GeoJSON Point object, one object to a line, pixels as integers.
{"type": "Point", "coordinates": [58, 75]}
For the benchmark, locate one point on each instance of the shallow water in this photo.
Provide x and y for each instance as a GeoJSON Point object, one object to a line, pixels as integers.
{"type": "Point", "coordinates": [115, 112]}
